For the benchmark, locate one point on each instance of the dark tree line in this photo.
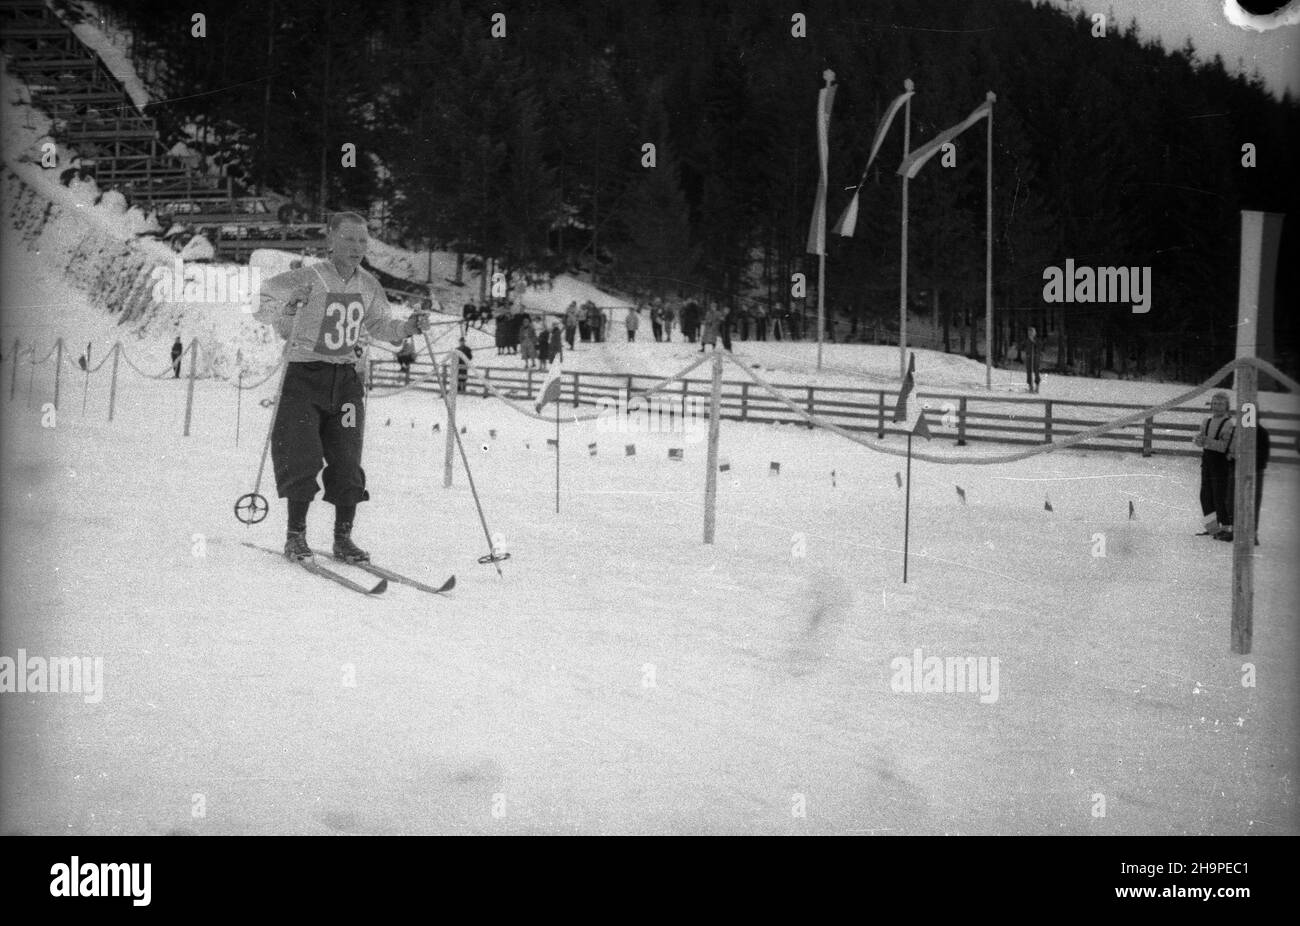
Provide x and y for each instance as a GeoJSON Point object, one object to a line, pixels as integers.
{"type": "Point", "coordinates": [527, 148]}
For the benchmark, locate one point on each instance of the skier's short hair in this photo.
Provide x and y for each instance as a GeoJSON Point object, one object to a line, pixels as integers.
{"type": "Point", "coordinates": [338, 218]}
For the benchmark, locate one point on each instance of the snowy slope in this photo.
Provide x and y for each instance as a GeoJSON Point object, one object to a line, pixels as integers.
{"type": "Point", "coordinates": [621, 677]}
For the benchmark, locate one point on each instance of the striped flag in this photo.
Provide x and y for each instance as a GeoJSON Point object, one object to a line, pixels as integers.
{"type": "Point", "coordinates": [916, 160]}
{"type": "Point", "coordinates": [848, 220]}
{"type": "Point", "coordinates": [908, 411]}
{"type": "Point", "coordinates": [825, 100]}
{"type": "Point", "coordinates": [550, 388]}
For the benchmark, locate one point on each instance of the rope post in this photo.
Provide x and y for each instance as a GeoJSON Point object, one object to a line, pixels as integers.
{"type": "Point", "coordinates": [1047, 421]}
{"type": "Point", "coordinates": [575, 388]}
{"type": "Point", "coordinates": [112, 388]}
{"type": "Point", "coordinates": [1146, 436]}
{"type": "Point", "coordinates": [13, 379]}
{"type": "Point", "coordinates": [961, 422]}
{"type": "Point", "coordinates": [31, 379]}
{"type": "Point", "coordinates": [880, 418]}
{"type": "Point", "coordinates": [85, 388]}
{"type": "Point", "coordinates": [1243, 531]}
{"type": "Point", "coordinates": [58, 370]}
{"type": "Point", "coordinates": [450, 395]}
{"type": "Point", "coordinates": [530, 382]}
{"type": "Point", "coordinates": [487, 375]}
{"type": "Point", "coordinates": [239, 405]}
{"type": "Point", "coordinates": [684, 391]}
{"type": "Point", "coordinates": [711, 477]}
{"type": "Point", "coordinates": [189, 389]}
{"type": "Point", "coordinates": [744, 401]}
{"type": "Point", "coordinates": [812, 406]}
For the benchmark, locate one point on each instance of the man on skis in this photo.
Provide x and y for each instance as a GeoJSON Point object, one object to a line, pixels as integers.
{"type": "Point", "coordinates": [321, 310]}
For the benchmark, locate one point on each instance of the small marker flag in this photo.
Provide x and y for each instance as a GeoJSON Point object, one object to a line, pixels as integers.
{"type": "Point", "coordinates": [550, 389]}
{"type": "Point", "coordinates": [961, 493]}
{"type": "Point", "coordinates": [908, 411]}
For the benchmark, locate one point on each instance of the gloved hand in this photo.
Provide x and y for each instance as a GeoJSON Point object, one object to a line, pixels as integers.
{"type": "Point", "coordinates": [418, 323]}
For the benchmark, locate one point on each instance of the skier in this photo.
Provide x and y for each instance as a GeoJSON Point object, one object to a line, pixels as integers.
{"type": "Point", "coordinates": [1214, 439]}
{"type": "Point", "coordinates": [321, 310]}
{"type": "Point", "coordinates": [177, 350]}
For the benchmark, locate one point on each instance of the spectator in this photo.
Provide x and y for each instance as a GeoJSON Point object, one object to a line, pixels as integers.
{"type": "Point", "coordinates": [502, 322]}
{"type": "Point", "coordinates": [744, 318]}
{"type": "Point", "coordinates": [469, 315]}
{"type": "Point", "coordinates": [760, 322]}
{"type": "Point", "coordinates": [1214, 438]}
{"type": "Point", "coordinates": [515, 329]}
{"type": "Point", "coordinates": [712, 321]}
{"type": "Point", "coordinates": [584, 321]}
{"type": "Point", "coordinates": [464, 356]}
{"type": "Point", "coordinates": [724, 328]}
{"type": "Point", "coordinates": [527, 341]}
{"type": "Point", "coordinates": [632, 321]}
{"type": "Point", "coordinates": [177, 350]}
{"type": "Point", "coordinates": [405, 357]}
{"type": "Point", "coordinates": [557, 342]}
{"type": "Point", "coordinates": [1032, 351]}
{"type": "Point", "coordinates": [669, 316]}
{"type": "Point", "coordinates": [571, 323]}
{"type": "Point", "coordinates": [543, 342]}
{"type": "Point", "coordinates": [1261, 461]}
{"type": "Point", "coordinates": [691, 320]}
{"type": "Point", "coordinates": [657, 320]}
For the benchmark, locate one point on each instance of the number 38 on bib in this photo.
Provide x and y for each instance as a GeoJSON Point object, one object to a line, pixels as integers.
{"type": "Point", "coordinates": [341, 324]}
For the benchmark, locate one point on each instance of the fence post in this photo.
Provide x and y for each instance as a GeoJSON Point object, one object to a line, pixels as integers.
{"type": "Point", "coordinates": [811, 406]}
{"type": "Point", "coordinates": [576, 391]}
{"type": "Point", "coordinates": [487, 375]}
{"type": "Point", "coordinates": [961, 422]}
{"type": "Point", "coordinates": [13, 379]}
{"type": "Point", "coordinates": [112, 389]}
{"type": "Point", "coordinates": [880, 417]}
{"type": "Point", "coordinates": [1146, 435]}
{"type": "Point", "coordinates": [629, 389]}
{"type": "Point", "coordinates": [1047, 420]}
{"type": "Point", "coordinates": [530, 382]}
{"type": "Point", "coordinates": [58, 369]}
{"type": "Point", "coordinates": [189, 391]}
{"type": "Point", "coordinates": [711, 459]}
{"type": "Point", "coordinates": [450, 393]}
{"type": "Point", "coordinates": [744, 401]}
{"type": "Point", "coordinates": [683, 398]}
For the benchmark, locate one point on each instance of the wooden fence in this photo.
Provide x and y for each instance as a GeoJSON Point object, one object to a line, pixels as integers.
{"type": "Point", "coordinates": [961, 418]}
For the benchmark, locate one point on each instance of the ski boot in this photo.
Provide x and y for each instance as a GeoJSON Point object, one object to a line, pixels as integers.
{"type": "Point", "coordinates": [295, 547]}
{"type": "Point", "coordinates": [344, 549]}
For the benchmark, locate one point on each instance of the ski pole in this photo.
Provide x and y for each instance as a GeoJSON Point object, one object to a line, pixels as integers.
{"type": "Point", "coordinates": [252, 507]}
{"type": "Point", "coordinates": [493, 557]}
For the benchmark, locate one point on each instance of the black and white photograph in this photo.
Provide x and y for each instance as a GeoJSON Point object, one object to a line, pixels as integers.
{"type": "Point", "coordinates": [659, 418]}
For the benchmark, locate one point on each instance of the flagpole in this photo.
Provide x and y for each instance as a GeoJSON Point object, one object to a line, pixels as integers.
{"type": "Point", "coordinates": [823, 126]}
{"type": "Point", "coordinates": [988, 253]}
{"type": "Point", "coordinates": [907, 507]}
{"type": "Point", "coordinates": [902, 272]}
{"type": "Point", "coordinates": [557, 455]}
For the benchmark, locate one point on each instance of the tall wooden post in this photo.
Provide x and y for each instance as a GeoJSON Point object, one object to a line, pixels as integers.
{"type": "Point", "coordinates": [13, 377]}
{"type": "Point", "coordinates": [189, 389]}
{"type": "Point", "coordinates": [112, 388]}
{"type": "Point", "coordinates": [58, 370]}
{"type": "Point", "coordinates": [85, 387]}
{"type": "Point", "coordinates": [1243, 531]}
{"type": "Point", "coordinates": [444, 382]}
{"type": "Point", "coordinates": [902, 261]}
{"type": "Point", "coordinates": [988, 252]}
{"type": "Point", "coordinates": [711, 477]}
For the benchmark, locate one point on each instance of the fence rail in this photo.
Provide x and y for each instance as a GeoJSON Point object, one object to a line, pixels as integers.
{"type": "Point", "coordinates": [961, 418]}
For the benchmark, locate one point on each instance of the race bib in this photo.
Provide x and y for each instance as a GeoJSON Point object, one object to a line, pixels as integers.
{"type": "Point", "coordinates": [340, 325]}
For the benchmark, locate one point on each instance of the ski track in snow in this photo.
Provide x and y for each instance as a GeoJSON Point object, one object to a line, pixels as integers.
{"type": "Point", "coordinates": [621, 677]}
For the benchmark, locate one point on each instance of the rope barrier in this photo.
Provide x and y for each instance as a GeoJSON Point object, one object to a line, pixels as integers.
{"type": "Point", "coordinates": [987, 459]}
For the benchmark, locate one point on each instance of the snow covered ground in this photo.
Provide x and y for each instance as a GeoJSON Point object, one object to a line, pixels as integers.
{"type": "Point", "coordinates": [621, 676]}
